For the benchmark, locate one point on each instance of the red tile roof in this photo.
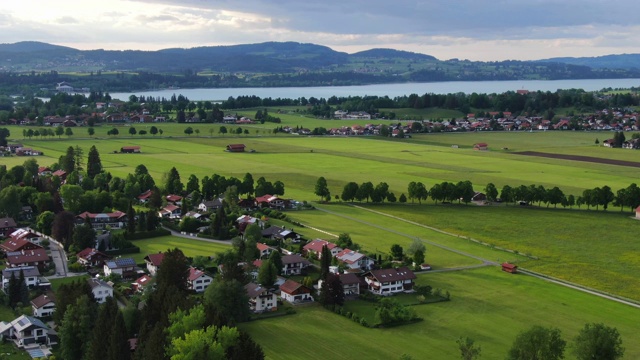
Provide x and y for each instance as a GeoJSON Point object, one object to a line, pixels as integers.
{"type": "Point", "coordinates": [291, 287]}
{"type": "Point", "coordinates": [155, 259]}
{"type": "Point", "coordinates": [317, 245]}
{"type": "Point", "coordinates": [195, 273]}
{"type": "Point", "coordinates": [28, 256]}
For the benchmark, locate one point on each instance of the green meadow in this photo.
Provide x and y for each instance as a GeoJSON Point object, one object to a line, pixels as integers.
{"type": "Point", "coordinates": [488, 305]}
{"type": "Point", "coordinates": [593, 248]}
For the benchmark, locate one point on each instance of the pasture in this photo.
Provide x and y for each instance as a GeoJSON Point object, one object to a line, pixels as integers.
{"type": "Point", "coordinates": [190, 247]}
{"type": "Point", "coordinates": [486, 304]}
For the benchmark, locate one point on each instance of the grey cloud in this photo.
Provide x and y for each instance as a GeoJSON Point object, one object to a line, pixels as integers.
{"type": "Point", "coordinates": [66, 20]}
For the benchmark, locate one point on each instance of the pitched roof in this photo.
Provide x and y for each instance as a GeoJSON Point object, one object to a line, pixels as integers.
{"type": "Point", "coordinates": [263, 247]}
{"type": "Point", "coordinates": [113, 215]}
{"type": "Point", "coordinates": [173, 198]}
{"type": "Point", "coordinates": [155, 259]}
{"type": "Point", "coordinates": [27, 256]}
{"type": "Point", "coordinates": [349, 256]}
{"type": "Point", "coordinates": [43, 300]}
{"type": "Point", "coordinates": [143, 280]}
{"type": "Point", "coordinates": [27, 271]}
{"type": "Point", "coordinates": [388, 275]}
{"type": "Point", "coordinates": [317, 245]}
{"type": "Point", "coordinates": [94, 283]}
{"type": "Point", "coordinates": [24, 321]}
{"type": "Point", "coordinates": [120, 263]}
{"type": "Point", "coordinates": [88, 253]}
{"type": "Point", "coordinates": [272, 230]}
{"type": "Point", "coordinates": [349, 279]}
{"type": "Point", "coordinates": [292, 259]}
{"type": "Point", "coordinates": [7, 223]}
{"type": "Point", "coordinates": [12, 245]}
{"type": "Point", "coordinates": [23, 233]}
{"type": "Point", "coordinates": [291, 286]}
{"type": "Point", "coordinates": [254, 290]}
{"type": "Point", "coordinates": [194, 274]}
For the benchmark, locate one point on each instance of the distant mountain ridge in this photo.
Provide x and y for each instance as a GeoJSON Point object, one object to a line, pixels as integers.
{"type": "Point", "coordinates": [273, 64]}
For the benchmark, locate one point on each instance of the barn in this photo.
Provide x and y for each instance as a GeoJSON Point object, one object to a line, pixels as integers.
{"type": "Point", "coordinates": [130, 149]}
{"type": "Point", "coordinates": [510, 268]}
{"type": "Point", "coordinates": [235, 148]}
{"type": "Point", "coordinates": [481, 146]}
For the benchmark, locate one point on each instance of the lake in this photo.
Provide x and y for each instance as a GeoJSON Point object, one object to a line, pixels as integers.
{"type": "Point", "coordinates": [391, 90]}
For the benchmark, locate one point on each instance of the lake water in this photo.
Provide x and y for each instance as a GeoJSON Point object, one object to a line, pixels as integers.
{"type": "Point", "coordinates": [391, 90]}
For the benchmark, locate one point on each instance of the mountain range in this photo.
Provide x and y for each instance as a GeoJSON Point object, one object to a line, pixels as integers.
{"type": "Point", "coordinates": [292, 64]}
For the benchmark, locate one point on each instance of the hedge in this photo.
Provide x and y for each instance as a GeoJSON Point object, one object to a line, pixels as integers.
{"type": "Point", "coordinates": [129, 250]}
{"type": "Point", "coordinates": [147, 234]}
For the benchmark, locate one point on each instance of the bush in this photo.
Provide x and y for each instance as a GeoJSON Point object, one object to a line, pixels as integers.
{"type": "Point", "coordinates": [147, 234]}
{"type": "Point", "coordinates": [126, 250]}
{"type": "Point", "coordinates": [76, 267]}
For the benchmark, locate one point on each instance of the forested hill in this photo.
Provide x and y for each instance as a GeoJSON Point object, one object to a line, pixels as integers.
{"type": "Point", "coordinates": [622, 61]}
{"type": "Point", "coordinates": [270, 64]}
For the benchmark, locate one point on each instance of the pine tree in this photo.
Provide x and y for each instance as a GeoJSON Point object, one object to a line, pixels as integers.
{"type": "Point", "coordinates": [131, 219]}
{"type": "Point", "coordinates": [94, 164]}
{"type": "Point", "coordinates": [118, 342]}
{"type": "Point", "coordinates": [104, 325]}
{"type": "Point", "coordinates": [325, 262]}
{"type": "Point", "coordinates": [67, 161]}
{"type": "Point", "coordinates": [23, 290]}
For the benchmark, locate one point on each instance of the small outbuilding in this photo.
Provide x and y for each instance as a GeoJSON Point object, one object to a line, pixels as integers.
{"type": "Point", "coordinates": [638, 212]}
{"type": "Point", "coordinates": [130, 149]}
{"type": "Point", "coordinates": [510, 268]}
{"type": "Point", "coordinates": [235, 147]}
{"type": "Point", "coordinates": [481, 146]}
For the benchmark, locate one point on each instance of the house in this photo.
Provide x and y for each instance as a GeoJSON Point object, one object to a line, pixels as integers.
{"type": "Point", "coordinates": [7, 226]}
{"type": "Point", "coordinates": [210, 205]}
{"type": "Point", "coordinates": [26, 234]}
{"type": "Point", "coordinates": [114, 220]}
{"type": "Point", "coordinates": [390, 281]}
{"type": "Point", "coordinates": [272, 202]}
{"type": "Point", "coordinates": [130, 149]}
{"type": "Point", "coordinates": [35, 257]}
{"type": "Point", "coordinates": [350, 284]}
{"type": "Point", "coordinates": [478, 196]}
{"type": "Point", "coordinates": [26, 331]}
{"type": "Point", "coordinates": [261, 299]}
{"type": "Point", "coordinates": [92, 257]}
{"type": "Point", "coordinates": [638, 212]}
{"type": "Point", "coordinates": [293, 264]}
{"type": "Point", "coordinates": [609, 143]}
{"type": "Point", "coordinates": [100, 289]}
{"type": "Point", "coordinates": [280, 233]}
{"type": "Point", "coordinates": [174, 199]}
{"type": "Point", "coordinates": [265, 250]}
{"type": "Point", "coordinates": [510, 268]}
{"type": "Point", "coordinates": [198, 281]}
{"type": "Point", "coordinates": [355, 260]}
{"type": "Point", "coordinates": [294, 292]}
{"type": "Point", "coordinates": [145, 196]}
{"type": "Point", "coordinates": [315, 247]}
{"type": "Point", "coordinates": [43, 305]}
{"type": "Point", "coordinates": [61, 174]}
{"type": "Point", "coordinates": [481, 146]}
{"type": "Point", "coordinates": [235, 148]}
{"type": "Point", "coordinates": [125, 267]}
{"type": "Point", "coordinates": [141, 283]}
{"type": "Point", "coordinates": [153, 262]}
{"type": "Point", "coordinates": [18, 244]}
{"type": "Point", "coordinates": [170, 212]}
{"type": "Point", "coordinates": [31, 276]}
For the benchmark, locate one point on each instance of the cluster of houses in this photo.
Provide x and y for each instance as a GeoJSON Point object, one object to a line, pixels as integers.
{"type": "Point", "coordinates": [19, 150]}
{"type": "Point", "coordinates": [358, 276]}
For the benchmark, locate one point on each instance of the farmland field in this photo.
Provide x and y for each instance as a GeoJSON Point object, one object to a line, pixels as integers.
{"type": "Point", "coordinates": [593, 248]}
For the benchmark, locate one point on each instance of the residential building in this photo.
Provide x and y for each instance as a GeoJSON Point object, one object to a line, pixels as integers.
{"type": "Point", "coordinates": [125, 267]}
{"type": "Point", "coordinates": [294, 292]}
{"type": "Point", "coordinates": [7, 226]}
{"type": "Point", "coordinates": [114, 220]}
{"type": "Point", "coordinates": [198, 280]}
{"type": "Point", "coordinates": [153, 262]}
{"type": "Point", "coordinates": [92, 257]}
{"type": "Point", "coordinates": [141, 283]}
{"type": "Point", "coordinates": [100, 289]}
{"type": "Point", "coordinates": [170, 212]}
{"type": "Point", "coordinates": [261, 299]}
{"type": "Point", "coordinates": [43, 305]}
{"type": "Point", "coordinates": [18, 244]}
{"type": "Point", "coordinates": [35, 257]}
{"type": "Point", "coordinates": [31, 275]}
{"type": "Point", "coordinates": [355, 260]}
{"type": "Point", "coordinates": [316, 246]}
{"type": "Point", "coordinates": [293, 264]}
{"type": "Point", "coordinates": [390, 281]}
{"type": "Point", "coordinates": [27, 330]}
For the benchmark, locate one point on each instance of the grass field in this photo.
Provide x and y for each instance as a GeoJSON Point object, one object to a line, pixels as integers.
{"type": "Point", "coordinates": [189, 247]}
{"type": "Point", "coordinates": [487, 305]}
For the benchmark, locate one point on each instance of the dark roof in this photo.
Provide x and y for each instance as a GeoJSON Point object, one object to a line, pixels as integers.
{"type": "Point", "coordinates": [17, 245]}
{"type": "Point", "coordinates": [94, 283]}
{"type": "Point", "coordinates": [292, 259]}
{"type": "Point", "coordinates": [26, 270]}
{"type": "Point", "coordinates": [272, 230]}
{"type": "Point", "coordinates": [317, 245]}
{"type": "Point", "coordinates": [27, 256]}
{"type": "Point", "coordinates": [349, 279]}
{"type": "Point", "coordinates": [509, 266]}
{"type": "Point", "coordinates": [43, 300]}
{"type": "Point", "coordinates": [388, 275]}
{"type": "Point", "coordinates": [7, 223]}
{"type": "Point", "coordinates": [120, 263]}
{"type": "Point", "coordinates": [254, 290]}
{"type": "Point", "coordinates": [89, 253]}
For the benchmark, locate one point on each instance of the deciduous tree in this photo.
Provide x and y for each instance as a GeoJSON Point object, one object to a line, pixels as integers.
{"type": "Point", "coordinates": [538, 343]}
{"type": "Point", "coordinates": [598, 341]}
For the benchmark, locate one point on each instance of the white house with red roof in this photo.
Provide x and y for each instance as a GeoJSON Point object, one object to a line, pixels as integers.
{"type": "Point", "coordinates": [170, 211]}
{"type": "Point", "coordinates": [355, 260]}
{"type": "Point", "coordinates": [18, 244]}
{"type": "Point", "coordinates": [390, 281]}
{"type": "Point", "coordinates": [198, 280]}
{"type": "Point", "coordinates": [272, 202]}
{"type": "Point", "coordinates": [43, 305]}
{"type": "Point", "coordinates": [174, 199]}
{"type": "Point", "coordinates": [141, 283]}
{"type": "Point", "coordinates": [153, 262]}
{"type": "Point", "coordinates": [35, 257]}
{"type": "Point", "coordinates": [27, 234]}
{"type": "Point", "coordinates": [294, 292]}
{"type": "Point", "coordinates": [145, 196]}
{"type": "Point", "coordinates": [92, 257]}
{"type": "Point", "coordinates": [265, 250]}
{"type": "Point", "coordinates": [316, 246]}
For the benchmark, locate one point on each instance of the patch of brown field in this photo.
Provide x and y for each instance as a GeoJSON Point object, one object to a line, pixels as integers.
{"type": "Point", "coordinates": [580, 158]}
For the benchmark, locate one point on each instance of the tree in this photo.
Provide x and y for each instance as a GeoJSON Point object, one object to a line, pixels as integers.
{"type": "Point", "coordinates": [94, 164]}
{"type": "Point", "coordinates": [538, 343]}
{"type": "Point", "coordinates": [131, 219]}
{"type": "Point", "coordinates": [276, 259]}
{"type": "Point", "coordinates": [119, 348]}
{"type": "Point", "coordinates": [68, 132]}
{"type": "Point", "coordinates": [332, 291]}
{"type": "Point", "coordinates": [67, 161]}
{"type": "Point", "coordinates": [223, 130]}
{"type": "Point", "coordinates": [104, 325]}
{"type": "Point", "coordinates": [62, 228]}
{"type": "Point", "coordinates": [44, 222]}
{"type": "Point", "coordinates": [491, 192]}
{"type": "Point", "coordinates": [321, 189]}
{"type": "Point", "coordinates": [84, 236]}
{"type": "Point", "coordinates": [91, 131]}
{"type": "Point", "coordinates": [598, 341]}
{"type": "Point", "coordinates": [132, 130]}
{"type": "Point", "coordinates": [267, 274]}
{"type": "Point", "coordinates": [188, 130]}
{"type": "Point", "coordinates": [418, 257]}
{"type": "Point", "coordinates": [192, 184]}
{"type": "Point", "coordinates": [246, 186]}
{"type": "Point", "coordinates": [227, 297]}
{"type": "Point", "coordinates": [397, 252]}
{"type": "Point", "coordinates": [10, 203]}
{"type": "Point", "coordinates": [325, 262]}
{"type": "Point", "coordinates": [153, 130]}
{"type": "Point", "coordinates": [172, 184]}
{"type": "Point", "coordinates": [174, 270]}
{"type": "Point", "coordinates": [402, 199]}
{"type": "Point", "coordinates": [416, 245]}
{"type": "Point", "coordinates": [468, 349]}
{"type": "Point", "coordinates": [75, 329]}
{"type": "Point", "coordinates": [59, 131]}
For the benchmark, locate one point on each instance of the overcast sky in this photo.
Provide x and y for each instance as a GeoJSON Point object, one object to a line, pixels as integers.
{"type": "Point", "coordinates": [463, 29]}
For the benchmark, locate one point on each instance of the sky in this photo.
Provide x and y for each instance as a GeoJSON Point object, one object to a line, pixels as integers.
{"type": "Point", "coordinates": [479, 30]}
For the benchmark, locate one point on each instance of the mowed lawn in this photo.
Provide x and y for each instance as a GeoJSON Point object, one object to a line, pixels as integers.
{"type": "Point", "coordinates": [487, 305]}
{"type": "Point", "coordinates": [190, 247]}
{"type": "Point", "coordinates": [593, 248]}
